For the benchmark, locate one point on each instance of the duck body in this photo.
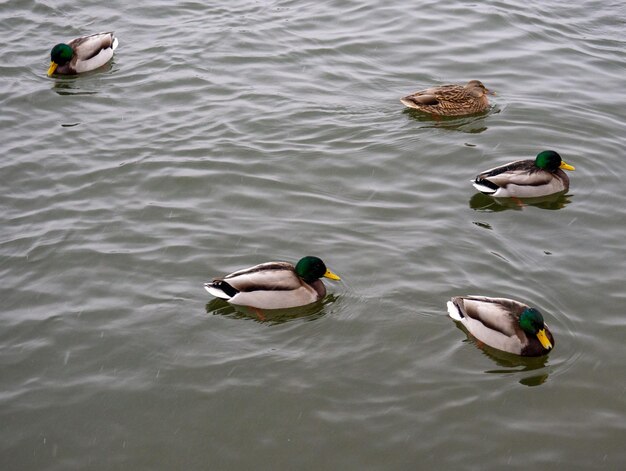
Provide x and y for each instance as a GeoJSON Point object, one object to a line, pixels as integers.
{"type": "Point", "coordinates": [503, 324]}
{"type": "Point", "coordinates": [526, 178]}
{"type": "Point", "coordinates": [82, 54]}
{"type": "Point", "coordinates": [274, 285]}
{"type": "Point", "coordinates": [450, 100]}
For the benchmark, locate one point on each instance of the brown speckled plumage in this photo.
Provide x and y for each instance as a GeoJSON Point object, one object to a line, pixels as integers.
{"type": "Point", "coordinates": [450, 100]}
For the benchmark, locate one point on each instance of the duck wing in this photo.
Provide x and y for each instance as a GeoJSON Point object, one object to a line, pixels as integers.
{"type": "Point", "coordinates": [497, 314]}
{"type": "Point", "coordinates": [270, 276]}
{"type": "Point", "coordinates": [414, 101]}
{"type": "Point", "coordinates": [521, 173]}
{"type": "Point", "coordinates": [93, 51]}
{"type": "Point", "coordinates": [87, 47]}
{"type": "Point", "coordinates": [430, 96]}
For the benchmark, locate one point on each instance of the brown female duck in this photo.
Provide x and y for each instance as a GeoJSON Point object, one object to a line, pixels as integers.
{"type": "Point", "coordinates": [450, 100]}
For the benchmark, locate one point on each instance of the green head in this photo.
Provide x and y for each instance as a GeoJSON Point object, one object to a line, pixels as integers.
{"type": "Point", "coordinates": [60, 54]}
{"type": "Point", "coordinates": [311, 268]}
{"type": "Point", "coordinates": [531, 322]}
{"type": "Point", "coordinates": [550, 160]}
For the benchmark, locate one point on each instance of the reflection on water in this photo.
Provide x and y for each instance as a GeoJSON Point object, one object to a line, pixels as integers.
{"type": "Point", "coordinates": [71, 86]}
{"type": "Point", "coordinates": [482, 202]}
{"type": "Point", "coordinates": [80, 84]}
{"type": "Point", "coordinates": [269, 316]}
{"type": "Point", "coordinates": [484, 225]}
{"type": "Point", "coordinates": [512, 363]}
{"type": "Point", "coordinates": [534, 380]}
{"type": "Point", "coordinates": [269, 127]}
{"type": "Point", "coordinates": [472, 124]}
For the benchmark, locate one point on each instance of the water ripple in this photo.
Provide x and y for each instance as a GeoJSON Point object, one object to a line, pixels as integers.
{"type": "Point", "coordinates": [226, 135]}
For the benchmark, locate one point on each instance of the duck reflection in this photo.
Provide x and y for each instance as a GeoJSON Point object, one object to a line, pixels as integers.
{"type": "Point", "coordinates": [79, 85]}
{"type": "Point", "coordinates": [482, 202]}
{"type": "Point", "coordinates": [71, 86]}
{"type": "Point", "coordinates": [269, 316]}
{"type": "Point", "coordinates": [511, 363]}
{"type": "Point", "coordinates": [473, 124]}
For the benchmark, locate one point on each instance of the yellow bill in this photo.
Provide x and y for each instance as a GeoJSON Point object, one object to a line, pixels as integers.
{"type": "Point", "coordinates": [566, 166]}
{"type": "Point", "coordinates": [53, 67]}
{"type": "Point", "coordinates": [543, 338]}
{"type": "Point", "coordinates": [331, 275]}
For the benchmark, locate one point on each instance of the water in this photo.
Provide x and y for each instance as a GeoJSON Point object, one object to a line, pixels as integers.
{"type": "Point", "coordinates": [226, 135]}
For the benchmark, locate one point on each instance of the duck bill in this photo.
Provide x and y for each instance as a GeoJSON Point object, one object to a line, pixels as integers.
{"type": "Point", "coordinates": [331, 275]}
{"type": "Point", "coordinates": [52, 68]}
{"type": "Point", "coordinates": [543, 338]}
{"type": "Point", "coordinates": [566, 166]}
{"type": "Point", "coordinates": [491, 92]}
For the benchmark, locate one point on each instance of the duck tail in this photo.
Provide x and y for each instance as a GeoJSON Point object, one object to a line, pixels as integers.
{"type": "Point", "coordinates": [485, 186]}
{"type": "Point", "coordinates": [407, 101]}
{"type": "Point", "coordinates": [454, 312]}
{"type": "Point", "coordinates": [220, 289]}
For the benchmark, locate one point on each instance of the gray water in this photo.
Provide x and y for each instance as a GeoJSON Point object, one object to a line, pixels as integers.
{"type": "Point", "coordinates": [228, 134]}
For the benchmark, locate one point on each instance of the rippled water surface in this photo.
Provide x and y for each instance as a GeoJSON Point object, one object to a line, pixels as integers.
{"type": "Point", "coordinates": [228, 134]}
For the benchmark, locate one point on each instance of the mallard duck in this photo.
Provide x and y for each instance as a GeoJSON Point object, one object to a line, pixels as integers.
{"type": "Point", "coordinates": [450, 100]}
{"type": "Point", "coordinates": [526, 178]}
{"type": "Point", "coordinates": [504, 324]}
{"type": "Point", "coordinates": [82, 54]}
{"type": "Point", "coordinates": [274, 285]}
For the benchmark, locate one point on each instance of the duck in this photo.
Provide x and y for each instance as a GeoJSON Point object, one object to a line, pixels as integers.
{"type": "Point", "coordinates": [274, 285]}
{"type": "Point", "coordinates": [543, 176]}
{"type": "Point", "coordinates": [504, 324]}
{"type": "Point", "coordinates": [451, 100]}
{"type": "Point", "coordinates": [82, 54]}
